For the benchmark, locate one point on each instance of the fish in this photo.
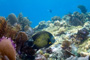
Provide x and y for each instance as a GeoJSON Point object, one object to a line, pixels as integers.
{"type": "Point", "coordinates": [43, 39]}
{"type": "Point", "coordinates": [50, 10]}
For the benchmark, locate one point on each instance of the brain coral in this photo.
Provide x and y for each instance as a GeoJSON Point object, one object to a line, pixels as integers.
{"type": "Point", "coordinates": [12, 19]}
{"type": "Point", "coordinates": [7, 48]}
{"type": "Point", "coordinates": [20, 40]}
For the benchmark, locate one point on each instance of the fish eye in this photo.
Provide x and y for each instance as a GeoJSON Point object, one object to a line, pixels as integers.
{"type": "Point", "coordinates": [49, 42]}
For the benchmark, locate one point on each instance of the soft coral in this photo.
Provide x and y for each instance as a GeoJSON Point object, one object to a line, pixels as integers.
{"type": "Point", "coordinates": [7, 49]}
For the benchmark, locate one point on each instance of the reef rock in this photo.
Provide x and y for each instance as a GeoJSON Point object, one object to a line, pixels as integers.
{"type": "Point", "coordinates": [78, 58]}
{"type": "Point", "coordinates": [55, 18]}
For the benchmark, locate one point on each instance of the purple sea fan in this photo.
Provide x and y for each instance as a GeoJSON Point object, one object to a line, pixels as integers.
{"type": "Point", "coordinates": [7, 48]}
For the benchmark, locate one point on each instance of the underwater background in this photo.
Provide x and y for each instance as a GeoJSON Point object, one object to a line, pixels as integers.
{"type": "Point", "coordinates": [38, 10]}
{"type": "Point", "coordinates": [44, 30]}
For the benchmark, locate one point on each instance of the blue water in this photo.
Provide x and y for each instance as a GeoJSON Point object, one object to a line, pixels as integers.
{"type": "Point", "coordinates": [38, 10]}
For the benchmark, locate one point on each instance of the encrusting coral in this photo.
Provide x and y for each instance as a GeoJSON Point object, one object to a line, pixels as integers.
{"type": "Point", "coordinates": [7, 48]}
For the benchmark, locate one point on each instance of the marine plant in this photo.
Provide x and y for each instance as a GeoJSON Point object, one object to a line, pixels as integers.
{"type": "Point", "coordinates": [3, 25]}
{"type": "Point", "coordinates": [23, 21]}
{"type": "Point", "coordinates": [20, 17]}
{"type": "Point", "coordinates": [11, 32]}
{"type": "Point", "coordinates": [82, 8]}
{"type": "Point", "coordinates": [26, 21]}
{"type": "Point", "coordinates": [66, 44]}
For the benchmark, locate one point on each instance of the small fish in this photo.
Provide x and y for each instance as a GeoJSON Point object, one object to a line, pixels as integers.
{"type": "Point", "coordinates": [50, 10]}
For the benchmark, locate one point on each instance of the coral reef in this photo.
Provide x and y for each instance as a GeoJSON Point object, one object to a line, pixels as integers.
{"type": "Point", "coordinates": [71, 33]}
{"type": "Point", "coordinates": [13, 30]}
{"type": "Point", "coordinates": [87, 25]}
{"type": "Point", "coordinates": [83, 49]}
{"type": "Point", "coordinates": [76, 18]}
{"type": "Point", "coordinates": [57, 39]}
{"type": "Point", "coordinates": [41, 25]}
{"type": "Point", "coordinates": [57, 23]}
